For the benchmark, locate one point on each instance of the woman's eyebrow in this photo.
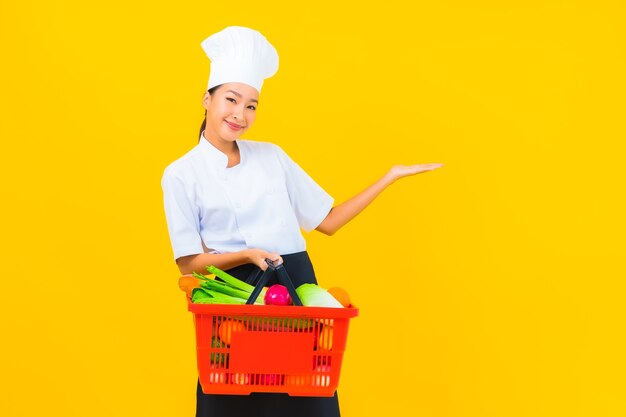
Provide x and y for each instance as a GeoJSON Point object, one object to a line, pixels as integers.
{"type": "Point", "coordinates": [240, 96]}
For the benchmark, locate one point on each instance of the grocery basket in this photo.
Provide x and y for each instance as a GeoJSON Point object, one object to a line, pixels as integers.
{"type": "Point", "coordinates": [249, 348]}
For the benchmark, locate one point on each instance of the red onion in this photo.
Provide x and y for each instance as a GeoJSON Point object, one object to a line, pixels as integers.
{"type": "Point", "coordinates": [277, 295]}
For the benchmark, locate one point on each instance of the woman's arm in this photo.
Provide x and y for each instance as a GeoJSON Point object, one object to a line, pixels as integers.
{"type": "Point", "coordinates": [198, 263]}
{"type": "Point", "coordinates": [349, 209]}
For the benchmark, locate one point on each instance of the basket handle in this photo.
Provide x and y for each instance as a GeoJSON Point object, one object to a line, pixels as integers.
{"type": "Point", "coordinates": [283, 278]}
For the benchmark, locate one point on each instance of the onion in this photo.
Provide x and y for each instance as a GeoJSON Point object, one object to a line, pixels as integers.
{"type": "Point", "coordinates": [277, 295]}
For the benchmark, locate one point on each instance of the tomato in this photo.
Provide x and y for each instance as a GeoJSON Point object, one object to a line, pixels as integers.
{"type": "Point", "coordinates": [227, 328]}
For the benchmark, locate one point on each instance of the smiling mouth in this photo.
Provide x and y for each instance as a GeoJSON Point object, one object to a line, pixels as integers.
{"type": "Point", "coordinates": [234, 125]}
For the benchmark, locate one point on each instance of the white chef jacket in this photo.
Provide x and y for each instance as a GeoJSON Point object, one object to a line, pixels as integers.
{"type": "Point", "coordinates": [262, 202]}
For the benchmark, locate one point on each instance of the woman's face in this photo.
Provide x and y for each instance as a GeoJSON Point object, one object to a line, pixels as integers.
{"type": "Point", "coordinates": [231, 110]}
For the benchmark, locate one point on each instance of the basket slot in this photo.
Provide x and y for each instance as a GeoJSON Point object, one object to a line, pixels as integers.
{"type": "Point", "coordinates": [267, 380]}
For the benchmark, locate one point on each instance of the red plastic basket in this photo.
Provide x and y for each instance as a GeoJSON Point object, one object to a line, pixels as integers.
{"type": "Point", "coordinates": [257, 348]}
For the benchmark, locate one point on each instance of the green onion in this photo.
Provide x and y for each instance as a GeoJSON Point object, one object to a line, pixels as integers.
{"type": "Point", "coordinates": [229, 279]}
{"type": "Point", "coordinates": [233, 282]}
{"type": "Point", "coordinates": [228, 290]}
{"type": "Point", "coordinates": [221, 296]}
{"type": "Point", "coordinates": [199, 294]}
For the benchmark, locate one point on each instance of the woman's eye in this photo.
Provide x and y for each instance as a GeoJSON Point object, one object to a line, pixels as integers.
{"type": "Point", "coordinates": [232, 100]}
{"type": "Point", "coordinates": [252, 107]}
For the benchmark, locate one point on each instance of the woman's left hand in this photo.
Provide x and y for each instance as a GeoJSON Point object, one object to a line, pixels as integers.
{"type": "Point", "coordinates": [400, 171]}
{"type": "Point", "coordinates": [346, 211]}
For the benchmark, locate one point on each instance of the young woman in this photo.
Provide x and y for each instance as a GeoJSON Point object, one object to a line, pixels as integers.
{"type": "Point", "coordinates": [233, 203]}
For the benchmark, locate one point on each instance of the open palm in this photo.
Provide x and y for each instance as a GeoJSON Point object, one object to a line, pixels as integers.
{"type": "Point", "coordinates": [400, 171]}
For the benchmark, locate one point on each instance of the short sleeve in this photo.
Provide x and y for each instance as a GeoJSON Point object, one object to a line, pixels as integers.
{"type": "Point", "coordinates": [182, 217]}
{"type": "Point", "coordinates": [311, 203]}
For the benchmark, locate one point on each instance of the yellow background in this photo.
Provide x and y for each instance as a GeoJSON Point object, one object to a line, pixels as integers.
{"type": "Point", "coordinates": [491, 287]}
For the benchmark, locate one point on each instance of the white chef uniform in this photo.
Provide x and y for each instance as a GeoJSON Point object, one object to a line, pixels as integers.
{"type": "Point", "coordinates": [262, 202]}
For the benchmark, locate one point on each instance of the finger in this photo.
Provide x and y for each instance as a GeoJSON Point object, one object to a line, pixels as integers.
{"type": "Point", "coordinates": [275, 258]}
{"type": "Point", "coordinates": [262, 263]}
{"type": "Point", "coordinates": [428, 167]}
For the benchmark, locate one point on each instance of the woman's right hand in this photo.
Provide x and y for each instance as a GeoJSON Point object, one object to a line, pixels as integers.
{"type": "Point", "coordinates": [258, 257]}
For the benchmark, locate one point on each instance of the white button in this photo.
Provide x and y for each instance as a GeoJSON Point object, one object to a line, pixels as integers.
{"type": "Point", "coordinates": [237, 204]}
{"type": "Point", "coordinates": [224, 177]}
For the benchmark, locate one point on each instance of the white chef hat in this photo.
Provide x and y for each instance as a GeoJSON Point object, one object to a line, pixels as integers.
{"type": "Point", "coordinates": [240, 54]}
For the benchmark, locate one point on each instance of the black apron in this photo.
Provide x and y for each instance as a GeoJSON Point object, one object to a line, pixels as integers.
{"type": "Point", "coordinates": [261, 404]}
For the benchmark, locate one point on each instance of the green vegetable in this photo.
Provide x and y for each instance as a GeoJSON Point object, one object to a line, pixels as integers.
{"type": "Point", "coordinates": [221, 296]}
{"type": "Point", "coordinates": [199, 294]}
{"type": "Point", "coordinates": [204, 296]}
{"type": "Point", "coordinates": [218, 358]}
{"type": "Point", "coordinates": [227, 289]}
{"type": "Point", "coordinates": [235, 291]}
{"type": "Point", "coordinates": [314, 296]}
{"type": "Point", "coordinates": [232, 281]}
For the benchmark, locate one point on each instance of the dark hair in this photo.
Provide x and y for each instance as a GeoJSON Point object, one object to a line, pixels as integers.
{"type": "Point", "coordinates": [210, 91]}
